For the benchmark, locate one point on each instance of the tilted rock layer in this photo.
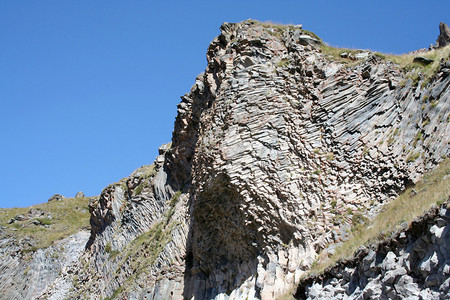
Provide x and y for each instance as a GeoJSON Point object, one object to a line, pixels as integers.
{"type": "Point", "coordinates": [414, 264]}
{"type": "Point", "coordinates": [273, 149]}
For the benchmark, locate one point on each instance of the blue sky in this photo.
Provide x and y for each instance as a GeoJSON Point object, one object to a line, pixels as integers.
{"type": "Point", "coordinates": [89, 89]}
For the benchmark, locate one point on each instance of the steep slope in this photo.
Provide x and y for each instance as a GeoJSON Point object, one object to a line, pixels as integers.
{"type": "Point", "coordinates": [40, 243]}
{"type": "Point", "coordinates": [413, 264]}
{"type": "Point", "coordinates": [275, 149]}
{"type": "Point", "coordinates": [289, 146]}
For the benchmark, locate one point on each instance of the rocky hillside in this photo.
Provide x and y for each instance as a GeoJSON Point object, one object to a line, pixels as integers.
{"type": "Point", "coordinates": [281, 144]}
{"type": "Point", "coordinates": [412, 264]}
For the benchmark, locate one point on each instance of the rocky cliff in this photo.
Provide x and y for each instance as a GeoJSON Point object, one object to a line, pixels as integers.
{"type": "Point", "coordinates": [279, 143]}
{"type": "Point", "coordinates": [413, 264]}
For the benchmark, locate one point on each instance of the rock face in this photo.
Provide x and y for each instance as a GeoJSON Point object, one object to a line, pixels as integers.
{"type": "Point", "coordinates": [273, 149]}
{"type": "Point", "coordinates": [414, 264]}
{"type": "Point", "coordinates": [283, 141]}
{"type": "Point", "coordinates": [56, 197]}
{"type": "Point", "coordinates": [27, 275]}
{"type": "Point", "coordinates": [79, 195]}
{"type": "Point", "coordinates": [444, 36]}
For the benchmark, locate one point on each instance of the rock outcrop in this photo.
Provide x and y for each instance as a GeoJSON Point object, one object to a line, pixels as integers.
{"type": "Point", "coordinates": [274, 148]}
{"type": "Point", "coordinates": [414, 264]}
{"type": "Point", "coordinates": [444, 36]}
{"type": "Point", "coordinates": [27, 275]}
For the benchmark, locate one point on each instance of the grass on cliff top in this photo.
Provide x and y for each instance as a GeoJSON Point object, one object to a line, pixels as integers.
{"type": "Point", "coordinates": [334, 53]}
{"type": "Point", "coordinates": [405, 61]}
{"type": "Point", "coordinates": [280, 28]}
{"type": "Point", "coordinates": [434, 189]}
{"type": "Point", "coordinates": [68, 216]}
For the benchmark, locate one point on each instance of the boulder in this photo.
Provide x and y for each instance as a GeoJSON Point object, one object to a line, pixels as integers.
{"type": "Point", "coordinates": [79, 195]}
{"type": "Point", "coordinates": [306, 40]}
{"type": "Point", "coordinates": [56, 197]}
{"type": "Point", "coordinates": [422, 60]}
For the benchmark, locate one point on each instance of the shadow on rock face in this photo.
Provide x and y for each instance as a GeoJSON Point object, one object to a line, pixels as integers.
{"type": "Point", "coordinates": [223, 243]}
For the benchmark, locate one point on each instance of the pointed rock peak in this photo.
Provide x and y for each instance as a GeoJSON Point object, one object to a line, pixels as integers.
{"type": "Point", "coordinates": [444, 36]}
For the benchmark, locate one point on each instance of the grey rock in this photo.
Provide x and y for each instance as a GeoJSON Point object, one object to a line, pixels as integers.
{"type": "Point", "coordinates": [238, 206]}
{"type": "Point", "coordinates": [79, 195]}
{"type": "Point", "coordinates": [417, 271]}
{"type": "Point", "coordinates": [20, 217]}
{"type": "Point", "coordinates": [444, 36]}
{"type": "Point", "coordinates": [56, 197]}
{"type": "Point", "coordinates": [406, 287]}
{"type": "Point", "coordinates": [306, 40]}
{"type": "Point", "coordinates": [390, 261]}
{"type": "Point", "coordinates": [391, 276]}
{"type": "Point", "coordinates": [432, 280]}
{"type": "Point", "coordinates": [422, 60]}
{"type": "Point", "coordinates": [362, 55]}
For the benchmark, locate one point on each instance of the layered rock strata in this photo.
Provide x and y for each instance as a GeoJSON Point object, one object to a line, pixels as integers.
{"type": "Point", "coordinates": [413, 264]}
{"type": "Point", "coordinates": [26, 275]}
{"type": "Point", "coordinates": [274, 149]}
{"type": "Point", "coordinates": [278, 144]}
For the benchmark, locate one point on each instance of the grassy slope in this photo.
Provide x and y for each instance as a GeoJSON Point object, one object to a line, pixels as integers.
{"type": "Point", "coordinates": [68, 217]}
{"type": "Point", "coordinates": [434, 189]}
{"type": "Point", "coordinates": [414, 202]}
{"type": "Point", "coordinates": [415, 71]}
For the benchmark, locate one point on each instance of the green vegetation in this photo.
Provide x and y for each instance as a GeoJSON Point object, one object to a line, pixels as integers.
{"type": "Point", "coordinates": [330, 156]}
{"type": "Point", "coordinates": [174, 199]}
{"type": "Point", "coordinates": [278, 29]}
{"type": "Point", "coordinates": [172, 204]}
{"type": "Point", "coordinates": [143, 251]}
{"type": "Point", "coordinates": [115, 293]}
{"type": "Point", "coordinates": [412, 157]}
{"type": "Point", "coordinates": [140, 254]}
{"type": "Point", "coordinates": [406, 62]}
{"type": "Point", "coordinates": [44, 221]}
{"type": "Point", "coordinates": [417, 138]}
{"type": "Point", "coordinates": [283, 63]}
{"type": "Point", "coordinates": [432, 190]}
{"type": "Point", "coordinates": [416, 71]}
{"type": "Point", "coordinates": [146, 173]}
{"type": "Point", "coordinates": [333, 204]}
{"type": "Point", "coordinates": [108, 247]}
{"type": "Point", "coordinates": [68, 216]}
{"type": "Point", "coordinates": [335, 54]}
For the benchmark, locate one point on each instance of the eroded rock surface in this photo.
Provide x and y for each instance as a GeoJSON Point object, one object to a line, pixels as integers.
{"type": "Point", "coordinates": [414, 264]}
{"type": "Point", "coordinates": [284, 143]}
{"type": "Point", "coordinates": [275, 147]}
{"type": "Point", "coordinates": [26, 275]}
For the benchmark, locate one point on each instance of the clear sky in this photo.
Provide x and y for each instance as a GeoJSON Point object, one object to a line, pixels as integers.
{"type": "Point", "coordinates": [88, 89]}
